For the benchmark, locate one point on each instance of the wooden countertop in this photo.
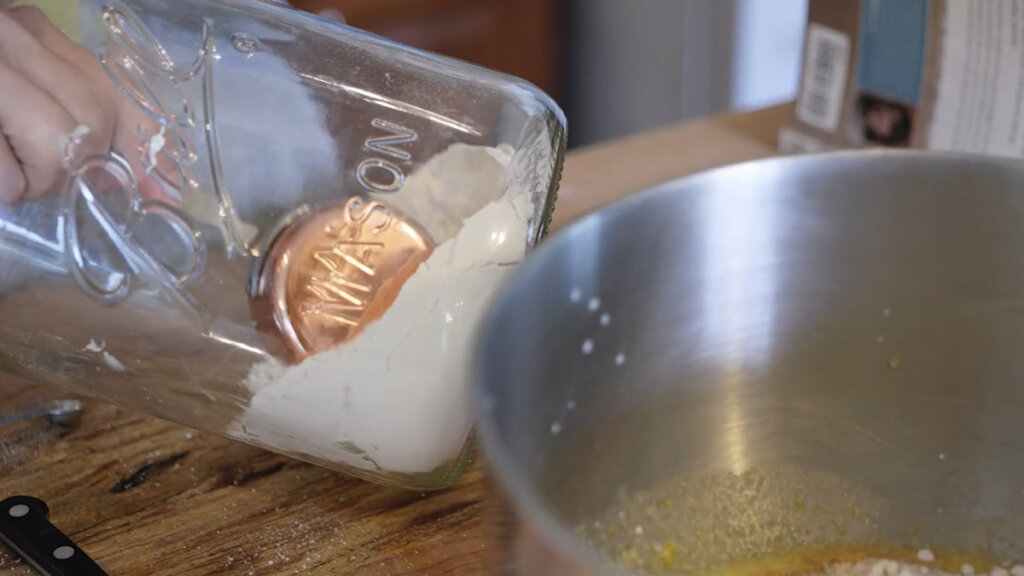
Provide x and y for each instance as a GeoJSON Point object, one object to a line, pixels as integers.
{"type": "Point", "coordinates": [144, 496]}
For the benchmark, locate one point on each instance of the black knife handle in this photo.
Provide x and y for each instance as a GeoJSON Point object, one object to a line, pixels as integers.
{"type": "Point", "coordinates": [25, 528]}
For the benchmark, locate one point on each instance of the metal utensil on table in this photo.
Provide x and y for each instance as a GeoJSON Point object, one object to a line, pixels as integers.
{"type": "Point", "coordinates": [64, 413]}
{"type": "Point", "coordinates": [857, 315]}
{"type": "Point", "coordinates": [25, 527]}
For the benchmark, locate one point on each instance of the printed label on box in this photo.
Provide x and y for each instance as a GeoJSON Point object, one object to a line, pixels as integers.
{"type": "Point", "coordinates": [980, 96]}
{"type": "Point", "coordinates": [824, 78]}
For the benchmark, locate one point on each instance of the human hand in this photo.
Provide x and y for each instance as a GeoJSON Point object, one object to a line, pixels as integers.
{"type": "Point", "coordinates": [56, 102]}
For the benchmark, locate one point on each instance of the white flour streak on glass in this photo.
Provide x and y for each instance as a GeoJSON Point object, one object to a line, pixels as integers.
{"type": "Point", "coordinates": [113, 362]}
{"type": "Point", "coordinates": [94, 346]}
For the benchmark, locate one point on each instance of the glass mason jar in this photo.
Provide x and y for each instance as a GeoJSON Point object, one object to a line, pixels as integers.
{"type": "Point", "coordinates": [296, 247]}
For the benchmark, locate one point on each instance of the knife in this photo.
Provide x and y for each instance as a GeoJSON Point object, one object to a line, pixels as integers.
{"type": "Point", "coordinates": [25, 528]}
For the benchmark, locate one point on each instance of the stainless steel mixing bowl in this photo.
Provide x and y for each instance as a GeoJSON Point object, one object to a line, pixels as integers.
{"type": "Point", "coordinates": [857, 318]}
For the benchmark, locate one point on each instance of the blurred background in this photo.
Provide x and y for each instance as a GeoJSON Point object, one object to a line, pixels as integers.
{"type": "Point", "coordinates": [616, 67]}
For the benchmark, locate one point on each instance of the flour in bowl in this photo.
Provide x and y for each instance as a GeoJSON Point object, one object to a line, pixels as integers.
{"type": "Point", "coordinates": [895, 568]}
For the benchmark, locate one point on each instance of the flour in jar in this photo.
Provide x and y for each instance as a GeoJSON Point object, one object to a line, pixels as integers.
{"type": "Point", "coordinates": [394, 398]}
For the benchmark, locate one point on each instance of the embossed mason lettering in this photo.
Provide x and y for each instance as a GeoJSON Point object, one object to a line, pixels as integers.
{"type": "Point", "coordinates": [337, 295]}
{"type": "Point", "coordinates": [389, 144]}
{"type": "Point", "coordinates": [378, 174]}
{"type": "Point", "coordinates": [342, 270]}
{"type": "Point", "coordinates": [336, 271]}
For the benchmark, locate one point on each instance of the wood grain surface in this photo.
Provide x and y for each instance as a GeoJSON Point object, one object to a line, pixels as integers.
{"type": "Point", "coordinates": [145, 496]}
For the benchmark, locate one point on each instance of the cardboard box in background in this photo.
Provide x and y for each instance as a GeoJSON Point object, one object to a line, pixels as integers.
{"type": "Point", "coordinates": [927, 74]}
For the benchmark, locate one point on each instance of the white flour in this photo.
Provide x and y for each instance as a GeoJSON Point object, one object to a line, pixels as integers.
{"type": "Point", "coordinates": [894, 568]}
{"type": "Point", "coordinates": [881, 568]}
{"type": "Point", "coordinates": [444, 194]}
{"type": "Point", "coordinates": [394, 398]}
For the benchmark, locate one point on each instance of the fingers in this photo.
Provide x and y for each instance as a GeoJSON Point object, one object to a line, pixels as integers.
{"type": "Point", "coordinates": [33, 124]}
{"type": "Point", "coordinates": [35, 22]}
{"type": "Point", "coordinates": [20, 32]}
{"type": "Point", "coordinates": [50, 86]}
{"type": "Point", "coordinates": [128, 116]}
